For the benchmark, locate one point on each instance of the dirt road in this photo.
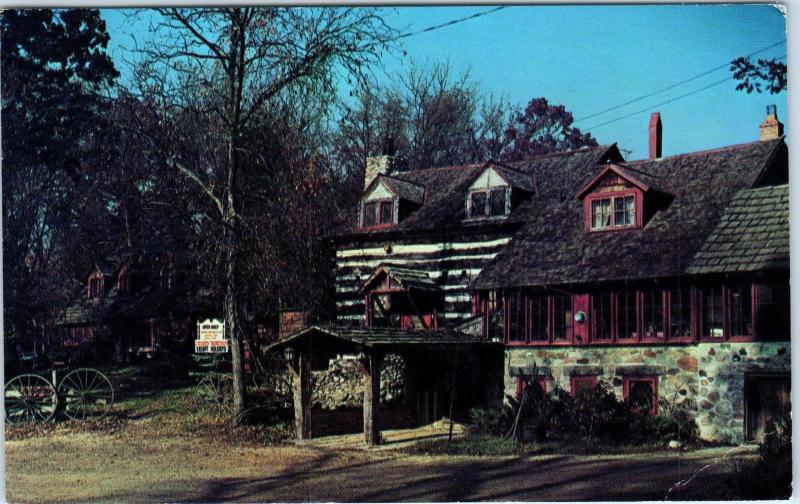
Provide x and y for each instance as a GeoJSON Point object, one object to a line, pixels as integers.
{"type": "Point", "coordinates": [112, 467]}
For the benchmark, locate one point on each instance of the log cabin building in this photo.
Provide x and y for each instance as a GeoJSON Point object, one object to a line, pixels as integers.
{"type": "Point", "coordinates": [668, 277]}
{"type": "Point", "coordinates": [130, 306]}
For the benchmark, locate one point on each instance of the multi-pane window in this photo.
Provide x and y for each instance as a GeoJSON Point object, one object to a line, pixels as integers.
{"type": "Point", "coordinates": [641, 393]}
{"type": "Point", "coordinates": [626, 315]}
{"type": "Point", "coordinates": [538, 314]}
{"type": "Point", "coordinates": [497, 201]}
{"type": "Point", "coordinates": [601, 317]}
{"type": "Point", "coordinates": [713, 319]}
{"type": "Point", "coordinates": [562, 318]}
{"type": "Point", "coordinates": [378, 213]}
{"type": "Point", "coordinates": [741, 310]}
{"type": "Point", "coordinates": [387, 210]}
{"type": "Point", "coordinates": [516, 317]}
{"type": "Point", "coordinates": [95, 287]}
{"type": "Point", "coordinates": [653, 313]}
{"type": "Point", "coordinates": [477, 204]}
{"type": "Point", "coordinates": [369, 214]}
{"type": "Point", "coordinates": [489, 203]}
{"type": "Point", "coordinates": [680, 313]}
{"type": "Point", "coordinates": [581, 385]}
{"type": "Point", "coordinates": [615, 212]}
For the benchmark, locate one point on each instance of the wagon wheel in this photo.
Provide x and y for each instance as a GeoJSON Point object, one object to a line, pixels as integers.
{"type": "Point", "coordinates": [30, 398]}
{"type": "Point", "coordinates": [86, 393]}
{"type": "Point", "coordinates": [215, 391]}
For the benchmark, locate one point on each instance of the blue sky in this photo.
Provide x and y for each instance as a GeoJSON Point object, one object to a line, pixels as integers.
{"type": "Point", "coordinates": [590, 58]}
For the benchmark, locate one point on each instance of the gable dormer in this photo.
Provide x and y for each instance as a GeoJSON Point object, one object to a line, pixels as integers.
{"type": "Point", "coordinates": [496, 191]}
{"type": "Point", "coordinates": [620, 198]}
{"type": "Point", "coordinates": [387, 200]}
{"type": "Point", "coordinates": [98, 279]}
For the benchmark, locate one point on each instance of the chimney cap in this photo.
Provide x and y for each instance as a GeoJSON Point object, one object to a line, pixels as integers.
{"type": "Point", "coordinates": [772, 110]}
{"type": "Point", "coordinates": [388, 146]}
{"type": "Point", "coordinates": [655, 117]}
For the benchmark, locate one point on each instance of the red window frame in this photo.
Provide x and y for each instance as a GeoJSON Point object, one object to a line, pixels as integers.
{"type": "Point", "coordinates": [541, 380]}
{"type": "Point", "coordinates": [611, 195]}
{"type": "Point", "coordinates": [618, 337]}
{"type": "Point", "coordinates": [575, 381]}
{"type": "Point", "coordinates": [596, 304]}
{"type": "Point", "coordinates": [691, 303]}
{"type": "Point", "coordinates": [95, 286]}
{"type": "Point", "coordinates": [750, 307]}
{"type": "Point", "coordinates": [662, 300]}
{"type": "Point", "coordinates": [626, 388]}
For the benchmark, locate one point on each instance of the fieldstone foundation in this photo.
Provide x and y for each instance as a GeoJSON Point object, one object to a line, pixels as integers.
{"type": "Point", "coordinates": [707, 378]}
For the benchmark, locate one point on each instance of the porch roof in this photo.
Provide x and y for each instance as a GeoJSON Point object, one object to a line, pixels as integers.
{"type": "Point", "coordinates": [348, 338]}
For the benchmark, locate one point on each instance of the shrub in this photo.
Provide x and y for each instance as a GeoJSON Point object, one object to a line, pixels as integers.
{"type": "Point", "coordinates": [488, 421]}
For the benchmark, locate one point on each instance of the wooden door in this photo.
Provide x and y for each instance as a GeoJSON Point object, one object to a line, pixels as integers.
{"type": "Point", "coordinates": [765, 399]}
{"type": "Point", "coordinates": [580, 304]}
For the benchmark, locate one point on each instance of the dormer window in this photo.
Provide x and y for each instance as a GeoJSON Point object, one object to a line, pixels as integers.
{"type": "Point", "coordinates": [492, 193]}
{"type": "Point", "coordinates": [614, 212]}
{"type": "Point", "coordinates": [387, 199]}
{"type": "Point", "coordinates": [621, 198]}
{"type": "Point", "coordinates": [488, 203]}
{"type": "Point", "coordinates": [378, 213]}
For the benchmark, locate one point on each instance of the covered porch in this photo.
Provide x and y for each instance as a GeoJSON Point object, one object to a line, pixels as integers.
{"type": "Point", "coordinates": [462, 370]}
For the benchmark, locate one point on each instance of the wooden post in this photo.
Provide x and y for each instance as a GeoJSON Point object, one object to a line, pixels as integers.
{"type": "Point", "coordinates": [301, 389]}
{"type": "Point", "coordinates": [372, 393]}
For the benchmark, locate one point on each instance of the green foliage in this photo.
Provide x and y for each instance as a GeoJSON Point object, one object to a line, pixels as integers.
{"type": "Point", "coordinates": [488, 421]}
{"type": "Point", "coordinates": [474, 445]}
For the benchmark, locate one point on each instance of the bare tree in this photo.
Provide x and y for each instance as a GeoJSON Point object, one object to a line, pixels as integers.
{"type": "Point", "coordinates": [229, 63]}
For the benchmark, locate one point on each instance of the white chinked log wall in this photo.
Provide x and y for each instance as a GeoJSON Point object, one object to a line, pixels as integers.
{"type": "Point", "coordinates": [355, 264]}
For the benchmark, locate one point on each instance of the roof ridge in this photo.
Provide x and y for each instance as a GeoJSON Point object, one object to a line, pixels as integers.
{"type": "Point", "coordinates": [395, 177]}
{"type": "Point", "coordinates": [526, 160]}
{"type": "Point", "coordinates": [706, 151]}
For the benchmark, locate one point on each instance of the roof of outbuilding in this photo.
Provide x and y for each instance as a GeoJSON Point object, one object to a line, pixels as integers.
{"type": "Point", "coordinates": [407, 277]}
{"type": "Point", "coordinates": [752, 234]}
{"type": "Point", "coordinates": [553, 248]}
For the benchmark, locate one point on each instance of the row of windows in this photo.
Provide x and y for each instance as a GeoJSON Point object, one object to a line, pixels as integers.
{"type": "Point", "coordinates": [639, 392]}
{"type": "Point", "coordinates": [712, 313]}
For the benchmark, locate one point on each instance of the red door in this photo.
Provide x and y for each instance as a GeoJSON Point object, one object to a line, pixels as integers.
{"type": "Point", "coordinates": [580, 310]}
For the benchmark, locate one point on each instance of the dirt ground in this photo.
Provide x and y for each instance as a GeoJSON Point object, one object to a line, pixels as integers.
{"type": "Point", "coordinates": [112, 467]}
{"type": "Point", "coordinates": [157, 448]}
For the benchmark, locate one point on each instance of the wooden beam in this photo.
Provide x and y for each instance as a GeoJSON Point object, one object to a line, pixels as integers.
{"type": "Point", "coordinates": [301, 390]}
{"type": "Point", "coordinates": [371, 368]}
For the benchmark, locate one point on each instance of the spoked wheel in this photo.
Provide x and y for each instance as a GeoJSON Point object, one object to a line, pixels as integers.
{"type": "Point", "coordinates": [86, 393]}
{"type": "Point", "coordinates": [30, 398]}
{"type": "Point", "coordinates": [215, 392]}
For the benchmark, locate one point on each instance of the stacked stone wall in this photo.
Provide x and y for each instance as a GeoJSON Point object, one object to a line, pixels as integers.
{"type": "Point", "coordinates": [707, 378]}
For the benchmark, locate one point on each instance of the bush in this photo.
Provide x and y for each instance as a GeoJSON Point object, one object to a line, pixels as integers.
{"type": "Point", "coordinates": [475, 445]}
{"type": "Point", "coordinates": [488, 421]}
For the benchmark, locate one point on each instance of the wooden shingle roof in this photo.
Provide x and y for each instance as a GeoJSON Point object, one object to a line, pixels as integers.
{"type": "Point", "coordinates": [553, 248]}
{"type": "Point", "coordinates": [752, 234]}
{"type": "Point", "coordinates": [444, 206]}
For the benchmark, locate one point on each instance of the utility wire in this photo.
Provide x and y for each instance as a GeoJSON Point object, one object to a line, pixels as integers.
{"type": "Point", "coordinates": [449, 23]}
{"type": "Point", "coordinates": [677, 84]}
{"type": "Point", "coordinates": [679, 97]}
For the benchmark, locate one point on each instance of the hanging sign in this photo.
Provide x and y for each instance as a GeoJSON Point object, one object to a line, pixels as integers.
{"type": "Point", "coordinates": [211, 337]}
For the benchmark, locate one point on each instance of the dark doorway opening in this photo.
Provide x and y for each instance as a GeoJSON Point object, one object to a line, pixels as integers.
{"type": "Point", "coordinates": [766, 397]}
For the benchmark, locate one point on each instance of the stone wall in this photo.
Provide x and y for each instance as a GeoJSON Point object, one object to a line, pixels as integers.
{"type": "Point", "coordinates": [706, 377]}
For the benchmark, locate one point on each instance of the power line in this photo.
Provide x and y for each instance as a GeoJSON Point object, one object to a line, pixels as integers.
{"type": "Point", "coordinates": [449, 23]}
{"type": "Point", "coordinates": [677, 84]}
{"type": "Point", "coordinates": [676, 98]}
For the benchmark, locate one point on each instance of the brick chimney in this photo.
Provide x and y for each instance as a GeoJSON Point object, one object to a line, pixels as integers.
{"type": "Point", "coordinates": [385, 164]}
{"type": "Point", "coordinates": [655, 135]}
{"type": "Point", "coordinates": [771, 128]}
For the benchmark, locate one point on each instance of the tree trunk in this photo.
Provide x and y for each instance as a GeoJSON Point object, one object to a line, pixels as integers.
{"type": "Point", "coordinates": [231, 317]}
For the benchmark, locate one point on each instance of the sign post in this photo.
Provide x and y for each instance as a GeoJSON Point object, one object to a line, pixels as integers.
{"type": "Point", "coordinates": [211, 337]}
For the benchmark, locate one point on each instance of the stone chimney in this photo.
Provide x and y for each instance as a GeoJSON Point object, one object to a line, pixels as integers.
{"type": "Point", "coordinates": [771, 128]}
{"type": "Point", "coordinates": [655, 135]}
{"type": "Point", "coordinates": [385, 164]}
